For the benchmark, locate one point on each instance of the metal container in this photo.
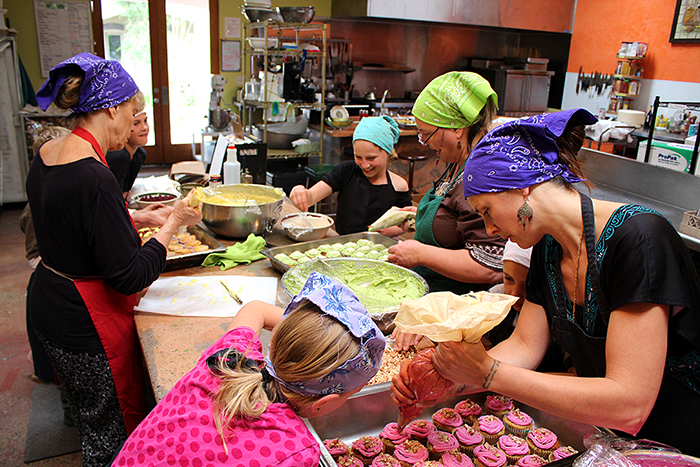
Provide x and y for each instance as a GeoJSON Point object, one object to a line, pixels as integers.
{"type": "Point", "coordinates": [250, 216]}
{"type": "Point", "coordinates": [340, 268]}
{"type": "Point", "coordinates": [194, 259]}
{"type": "Point", "coordinates": [296, 14]}
{"type": "Point", "coordinates": [377, 409]}
{"type": "Point", "coordinates": [373, 237]}
{"type": "Point", "coordinates": [260, 14]}
{"type": "Point", "coordinates": [306, 226]}
{"type": "Point", "coordinates": [276, 140]}
{"type": "Point", "coordinates": [219, 119]}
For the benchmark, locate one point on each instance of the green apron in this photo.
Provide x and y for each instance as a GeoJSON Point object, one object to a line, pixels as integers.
{"type": "Point", "coordinates": [425, 216]}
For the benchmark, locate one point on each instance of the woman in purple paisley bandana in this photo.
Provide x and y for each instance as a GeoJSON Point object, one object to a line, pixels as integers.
{"type": "Point", "coordinates": [613, 284]}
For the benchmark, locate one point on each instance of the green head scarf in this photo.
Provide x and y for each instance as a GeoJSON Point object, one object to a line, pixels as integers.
{"type": "Point", "coordinates": [453, 100]}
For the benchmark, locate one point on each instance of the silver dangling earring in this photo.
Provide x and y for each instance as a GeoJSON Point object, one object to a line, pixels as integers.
{"type": "Point", "coordinates": [525, 212]}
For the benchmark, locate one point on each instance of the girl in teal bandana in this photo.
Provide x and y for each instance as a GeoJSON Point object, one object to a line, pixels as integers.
{"type": "Point", "coordinates": [365, 186]}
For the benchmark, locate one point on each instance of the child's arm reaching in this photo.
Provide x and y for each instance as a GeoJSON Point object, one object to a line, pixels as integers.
{"type": "Point", "coordinates": [257, 315]}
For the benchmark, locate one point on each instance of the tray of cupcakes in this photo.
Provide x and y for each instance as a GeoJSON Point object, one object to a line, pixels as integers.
{"type": "Point", "coordinates": [482, 430]}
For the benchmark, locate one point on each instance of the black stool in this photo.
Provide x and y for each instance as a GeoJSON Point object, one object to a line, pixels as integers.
{"type": "Point", "coordinates": [412, 158]}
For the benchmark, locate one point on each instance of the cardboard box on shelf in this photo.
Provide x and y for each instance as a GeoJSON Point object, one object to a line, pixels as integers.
{"type": "Point", "coordinates": [673, 156]}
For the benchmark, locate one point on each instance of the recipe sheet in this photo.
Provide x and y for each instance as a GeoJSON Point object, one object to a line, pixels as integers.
{"type": "Point", "coordinates": [205, 296]}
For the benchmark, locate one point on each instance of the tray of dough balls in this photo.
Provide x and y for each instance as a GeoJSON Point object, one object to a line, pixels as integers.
{"type": "Point", "coordinates": [461, 431]}
{"type": "Point", "coordinates": [186, 249]}
{"type": "Point", "coordinates": [366, 245]}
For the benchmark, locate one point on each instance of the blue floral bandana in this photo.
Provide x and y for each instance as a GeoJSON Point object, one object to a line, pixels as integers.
{"type": "Point", "coordinates": [520, 154]}
{"type": "Point", "coordinates": [336, 300]}
{"type": "Point", "coordinates": [106, 83]}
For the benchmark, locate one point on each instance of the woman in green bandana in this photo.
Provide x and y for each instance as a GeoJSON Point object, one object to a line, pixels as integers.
{"type": "Point", "coordinates": [451, 248]}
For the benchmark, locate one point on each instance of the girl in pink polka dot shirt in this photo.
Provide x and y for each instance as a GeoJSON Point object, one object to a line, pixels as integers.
{"type": "Point", "coordinates": [239, 408]}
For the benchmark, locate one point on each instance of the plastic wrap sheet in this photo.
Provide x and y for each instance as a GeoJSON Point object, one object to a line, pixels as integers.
{"type": "Point", "coordinates": [444, 316]}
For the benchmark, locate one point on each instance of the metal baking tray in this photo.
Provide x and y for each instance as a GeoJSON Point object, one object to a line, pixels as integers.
{"type": "Point", "coordinates": [305, 246]}
{"type": "Point", "coordinates": [377, 409]}
{"type": "Point", "coordinates": [194, 259]}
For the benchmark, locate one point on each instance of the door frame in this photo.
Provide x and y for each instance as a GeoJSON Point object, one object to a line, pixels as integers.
{"type": "Point", "coordinates": [163, 152]}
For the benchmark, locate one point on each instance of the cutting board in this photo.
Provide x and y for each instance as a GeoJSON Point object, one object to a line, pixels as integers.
{"type": "Point", "coordinates": [204, 295]}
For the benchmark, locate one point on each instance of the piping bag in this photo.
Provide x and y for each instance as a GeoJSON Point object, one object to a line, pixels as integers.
{"type": "Point", "coordinates": [444, 316]}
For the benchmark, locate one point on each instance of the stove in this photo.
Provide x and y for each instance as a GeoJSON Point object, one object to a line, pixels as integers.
{"type": "Point", "coordinates": [392, 103]}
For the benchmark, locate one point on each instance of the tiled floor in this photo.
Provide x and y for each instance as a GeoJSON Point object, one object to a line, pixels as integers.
{"type": "Point", "coordinates": [15, 369]}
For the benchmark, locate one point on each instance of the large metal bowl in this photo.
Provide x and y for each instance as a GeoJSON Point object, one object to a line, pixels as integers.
{"type": "Point", "coordinates": [276, 140]}
{"type": "Point", "coordinates": [256, 213]}
{"type": "Point", "coordinates": [366, 278]}
{"type": "Point", "coordinates": [254, 14]}
{"type": "Point", "coordinates": [296, 14]}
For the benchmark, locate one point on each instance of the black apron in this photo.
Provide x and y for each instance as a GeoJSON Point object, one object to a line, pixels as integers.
{"type": "Point", "coordinates": [425, 216]}
{"type": "Point", "coordinates": [673, 420]}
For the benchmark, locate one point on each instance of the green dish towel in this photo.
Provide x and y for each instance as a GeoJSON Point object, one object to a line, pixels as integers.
{"type": "Point", "coordinates": [240, 253]}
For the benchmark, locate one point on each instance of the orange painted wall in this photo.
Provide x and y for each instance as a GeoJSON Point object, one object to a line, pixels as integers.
{"type": "Point", "coordinates": [601, 26]}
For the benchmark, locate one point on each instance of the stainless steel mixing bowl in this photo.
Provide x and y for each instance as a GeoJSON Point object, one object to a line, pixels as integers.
{"type": "Point", "coordinates": [251, 216]}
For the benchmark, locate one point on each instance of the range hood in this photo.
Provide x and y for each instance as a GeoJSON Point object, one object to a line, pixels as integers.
{"type": "Point", "coordinates": [537, 15]}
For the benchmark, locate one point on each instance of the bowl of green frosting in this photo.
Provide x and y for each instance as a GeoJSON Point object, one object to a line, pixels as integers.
{"type": "Point", "coordinates": [380, 286]}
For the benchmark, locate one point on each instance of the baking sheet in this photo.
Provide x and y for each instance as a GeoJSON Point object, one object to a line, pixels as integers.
{"type": "Point", "coordinates": [373, 237]}
{"type": "Point", "coordinates": [204, 296]}
{"type": "Point", "coordinates": [194, 259]}
{"type": "Point", "coordinates": [377, 409]}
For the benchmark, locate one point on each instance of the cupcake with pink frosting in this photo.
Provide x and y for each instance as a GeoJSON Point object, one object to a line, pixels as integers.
{"type": "Point", "coordinates": [514, 446]}
{"type": "Point", "coordinates": [469, 410]}
{"type": "Point", "coordinates": [427, 463]}
{"type": "Point", "coordinates": [542, 442]}
{"type": "Point", "coordinates": [366, 448]}
{"type": "Point", "coordinates": [410, 452]}
{"type": "Point", "coordinates": [456, 459]}
{"type": "Point", "coordinates": [517, 422]}
{"type": "Point", "coordinates": [420, 429]}
{"type": "Point", "coordinates": [392, 435]}
{"type": "Point", "coordinates": [531, 460]}
{"type": "Point", "coordinates": [336, 448]}
{"type": "Point", "coordinates": [349, 461]}
{"type": "Point", "coordinates": [440, 443]}
{"type": "Point", "coordinates": [468, 438]}
{"type": "Point", "coordinates": [487, 455]}
{"type": "Point", "coordinates": [562, 452]}
{"type": "Point", "coordinates": [447, 420]}
{"type": "Point", "coordinates": [385, 460]}
{"type": "Point", "coordinates": [491, 427]}
{"type": "Point", "coordinates": [498, 405]}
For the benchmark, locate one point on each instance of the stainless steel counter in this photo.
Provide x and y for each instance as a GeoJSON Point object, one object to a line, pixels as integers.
{"type": "Point", "coordinates": [628, 181]}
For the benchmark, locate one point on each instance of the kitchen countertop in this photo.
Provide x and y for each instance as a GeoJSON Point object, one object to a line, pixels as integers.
{"type": "Point", "coordinates": [173, 344]}
{"type": "Point", "coordinates": [350, 129]}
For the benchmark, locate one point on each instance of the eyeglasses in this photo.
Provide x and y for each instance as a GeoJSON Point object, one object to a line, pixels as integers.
{"type": "Point", "coordinates": [420, 137]}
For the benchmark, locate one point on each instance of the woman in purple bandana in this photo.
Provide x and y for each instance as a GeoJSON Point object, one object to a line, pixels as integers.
{"type": "Point", "coordinates": [92, 261]}
{"type": "Point", "coordinates": [237, 407]}
{"type": "Point", "coordinates": [613, 284]}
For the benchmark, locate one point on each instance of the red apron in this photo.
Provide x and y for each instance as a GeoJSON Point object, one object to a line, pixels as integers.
{"type": "Point", "coordinates": [113, 316]}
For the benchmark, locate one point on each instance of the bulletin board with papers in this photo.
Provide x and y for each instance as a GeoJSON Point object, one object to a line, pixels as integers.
{"type": "Point", "coordinates": [63, 30]}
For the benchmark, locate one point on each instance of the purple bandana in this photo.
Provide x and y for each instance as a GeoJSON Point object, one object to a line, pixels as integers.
{"type": "Point", "coordinates": [106, 83]}
{"type": "Point", "coordinates": [520, 153]}
{"type": "Point", "coordinates": [336, 300]}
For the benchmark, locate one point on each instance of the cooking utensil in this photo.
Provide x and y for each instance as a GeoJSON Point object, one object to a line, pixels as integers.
{"type": "Point", "coordinates": [232, 293]}
{"type": "Point", "coordinates": [306, 226]}
{"type": "Point", "coordinates": [296, 14]}
{"type": "Point", "coordinates": [369, 93]}
{"type": "Point", "coordinates": [240, 220]}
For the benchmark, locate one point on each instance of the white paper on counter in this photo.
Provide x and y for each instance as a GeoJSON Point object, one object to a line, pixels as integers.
{"type": "Point", "coordinates": [204, 295]}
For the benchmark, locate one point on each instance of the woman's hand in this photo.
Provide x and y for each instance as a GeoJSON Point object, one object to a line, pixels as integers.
{"type": "Point", "coordinates": [400, 392]}
{"type": "Point", "coordinates": [407, 253]}
{"type": "Point", "coordinates": [153, 215]}
{"type": "Point", "coordinates": [463, 363]}
{"type": "Point", "coordinates": [300, 197]}
{"type": "Point", "coordinates": [403, 340]}
{"type": "Point", "coordinates": [184, 214]}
